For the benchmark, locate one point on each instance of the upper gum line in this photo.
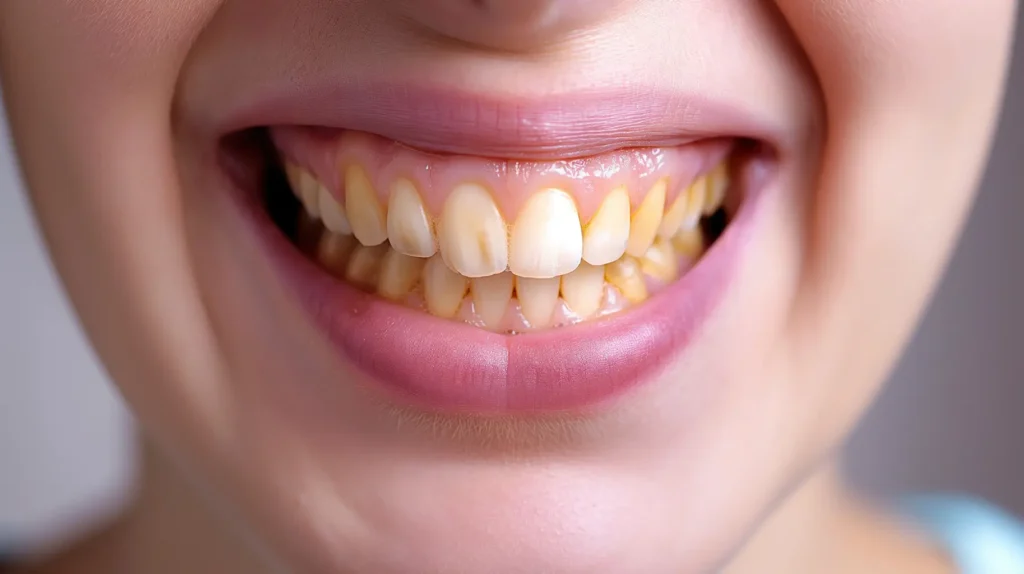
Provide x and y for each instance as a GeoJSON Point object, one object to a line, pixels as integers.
{"type": "Point", "coordinates": [328, 153]}
{"type": "Point", "coordinates": [547, 235]}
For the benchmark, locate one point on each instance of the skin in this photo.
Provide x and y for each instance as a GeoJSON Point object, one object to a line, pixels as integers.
{"type": "Point", "coordinates": [258, 452]}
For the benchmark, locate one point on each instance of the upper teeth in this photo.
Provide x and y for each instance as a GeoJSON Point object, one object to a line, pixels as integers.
{"type": "Point", "coordinates": [547, 239]}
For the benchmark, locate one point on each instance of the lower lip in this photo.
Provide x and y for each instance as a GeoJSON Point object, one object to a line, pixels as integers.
{"type": "Point", "coordinates": [445, 366]}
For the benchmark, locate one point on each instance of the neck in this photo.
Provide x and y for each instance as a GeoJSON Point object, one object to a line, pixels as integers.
{"type": "Point", "coordinates": [171, 528]}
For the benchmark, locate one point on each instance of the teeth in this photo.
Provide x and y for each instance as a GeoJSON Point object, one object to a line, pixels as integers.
{"type": "Point", "coordinates": [605, 239]}
{"type": "Point", "coordinates": [644, 226]}
{"type": "Point", "coordinates": [365, 213]}
{"type": "Point", "coordinates": [443, 288]}
{"type": "Point", "coordinates": [718, 184]}
{"type": "Point", "coordinates": [408, 225]}
{"type": "Point", "coordinates": [546, 240]}
{"type": "Point", "coordinates": [399, 273]}
{"type": "Point", "coordinates": [675, 215]}
{"type": "Point", "coordinates": [334, 251]}
{"type": "Point", "coordinates": [332, 213]}
{"type": "Point", "coordinates": [472, 233]}
{"type": "Point", "coordinates": [491, 296]}
{"type": "Point", "coordinates": [689, 243]}
{"type": "Point", "coordinates": [537, 299]}
{"type": "Point", "coordinates": [695, 205]}
{"type": "Point", "coordinates": [661, 262]}
{"type": "Point", "coordinates": [364, 265]}
{"type": "Point", "coordinates": [583, 290]}
{"type": "Point", "coordinates": [304, 186]}
{"type": "Point", "coordinates": [627, 275]}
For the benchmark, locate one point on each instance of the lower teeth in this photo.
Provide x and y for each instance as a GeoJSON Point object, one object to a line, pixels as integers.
{"type": "Point", "coordinates": [503, 303]}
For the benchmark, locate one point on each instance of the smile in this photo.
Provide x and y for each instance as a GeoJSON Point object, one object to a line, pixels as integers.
{"type": "Point", "coordinates": [488, 285]}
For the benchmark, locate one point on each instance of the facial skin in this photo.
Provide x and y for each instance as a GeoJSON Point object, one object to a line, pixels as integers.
{"type": "Point", "coordinates": [885, 111]}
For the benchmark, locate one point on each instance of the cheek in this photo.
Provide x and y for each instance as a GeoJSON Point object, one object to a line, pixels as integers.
{"type": "Point", "coordinates": [910, 90]}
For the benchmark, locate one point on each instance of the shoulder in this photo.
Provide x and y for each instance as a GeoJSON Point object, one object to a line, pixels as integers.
{"type": "Point", "coordinates": [981, 537]}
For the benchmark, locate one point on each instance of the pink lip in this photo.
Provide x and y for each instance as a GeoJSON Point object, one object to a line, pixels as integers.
{"type": "Point", "coordinates": [452, 367]}
{"type": "Point", "coordinates": [523, 127]}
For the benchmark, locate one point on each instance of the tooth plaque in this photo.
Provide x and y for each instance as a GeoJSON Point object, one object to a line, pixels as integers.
{"type": "Point", "coordinates": [472, 234]}
{"type": "Point", "coordinates": [546, 269]}
{"type": "Point", "coordinates": [365, 213]}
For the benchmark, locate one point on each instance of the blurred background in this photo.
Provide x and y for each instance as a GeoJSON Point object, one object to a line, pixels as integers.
{"type": "Point", "coordinates": [952, 417]}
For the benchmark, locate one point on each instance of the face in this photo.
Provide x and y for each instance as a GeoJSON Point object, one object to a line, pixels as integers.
{"type": "Point", "coordinates": [509, 286]}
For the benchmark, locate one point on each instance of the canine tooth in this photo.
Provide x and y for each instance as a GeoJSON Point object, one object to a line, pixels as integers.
{"type": "Point", "coordinates": [472, 234]}
{"type": "Point", "coordinates": [537, 299]}
{"type": "Point", "coordinates": [675, 215]}
{"type": "Point", "coordinates": [364, 265]}
{"type": "Point", "coordinates": [689, 243]}
{"type": "Point", "coordinates": [443, 289]}
{"type": "Point", "coordinates": [333, 252]}
{"type": "Point", "coordinates": [332, 213]}
{"type": "Point", "coordinates": [408, 225]}
{"type": "Point", "coordinates": [546, 239]}
{"type": "Point", "coordinates": [304, 185]}
{"type": "Point", "coordinates": [718, 183]}
{"type": "Point", "coordinates": [491, 296]}
{"type": "Point", "coordinates": [644, 225]}
{"type": "Point", "coordinates": [627, 275]}
{"type": "Point", "coordinates": [606, 235]}
{"type": "Point", "coordinates": [583, 289]}
{"type": "Point", "coordinates": [365, 213]}
{"type": "Point", "coordinates": [661, 261]}
{"type": "Point", "coordinates": [695, 206]}
{"type": "Point", "coordinates": [399, 273]}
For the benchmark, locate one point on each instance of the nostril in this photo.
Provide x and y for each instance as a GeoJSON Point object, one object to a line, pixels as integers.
{"type": "Point", "coordinates": [507, 24]}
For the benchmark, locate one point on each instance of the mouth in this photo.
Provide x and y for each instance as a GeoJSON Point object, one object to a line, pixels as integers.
{"type": "Point", "coordinates": [489, 285]}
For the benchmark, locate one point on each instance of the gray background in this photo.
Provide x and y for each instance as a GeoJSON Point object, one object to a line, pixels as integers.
{"type": "Point", "coordinates": [952, 417]}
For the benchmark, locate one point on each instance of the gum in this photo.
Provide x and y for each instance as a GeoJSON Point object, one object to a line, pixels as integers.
{"type": "Point", "coordinates": [328, 152]}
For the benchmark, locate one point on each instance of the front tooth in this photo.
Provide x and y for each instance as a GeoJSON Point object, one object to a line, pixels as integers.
{"type": "Point", "coordinates": [606, 235]}
{"type": "Point", "coordinates": [365, 213]}
{"type": "Point", "coordinates": [644, 225]}
{"type": "Point", "coordinates": [472, 234]}
{"type": "Point", "coordinates": [718, 183]}
{"type": "Point", "coordinates": [399, 273]}
{"type": "Point", "coordinates": [627, 275]}
{"type": "Point", "coordinates": [364, 265]}
{"type": "Point", "coordinates": [583, 289]}
{"type": "Point", "coordinates": [537, 299]}
{"type": "Point", "coordinates": [443, 289]}
{"type": "Point", "coordinates": [546, 239]}
{"type": "Point", "coordinates": [408, 225]}
{"type": "Point", "coordinates": [332, 213]}
{"type": "Point", "coordinates": [333, 252]}
{"type": "Point", "coordinates": [491, 296]}
{"type": "Point", "coordinates": [661, 262]}
{"type": "Point", "coordinates": [305, 187]}
{"type": "Point", "coordinates": [689, 243]}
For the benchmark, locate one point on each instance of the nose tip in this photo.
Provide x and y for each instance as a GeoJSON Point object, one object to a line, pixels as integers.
{"type": "Point", "coordinates": [507, 24]}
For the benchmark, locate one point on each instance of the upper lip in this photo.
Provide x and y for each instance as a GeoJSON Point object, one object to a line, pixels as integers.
{"type": "Point", "coordinates": [449, 120]}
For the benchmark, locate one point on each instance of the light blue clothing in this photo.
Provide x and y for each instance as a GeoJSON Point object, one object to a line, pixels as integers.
{"type": "Point", "coordinates": [981, 538]}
